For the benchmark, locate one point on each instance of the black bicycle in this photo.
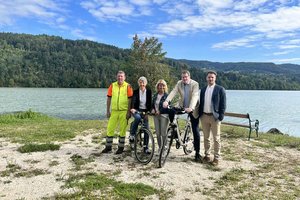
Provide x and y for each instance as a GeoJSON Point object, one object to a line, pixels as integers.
{"type": "Point", "coordinates": [174, 133]}
{"type": "Point", "coordinates": [143, 144]}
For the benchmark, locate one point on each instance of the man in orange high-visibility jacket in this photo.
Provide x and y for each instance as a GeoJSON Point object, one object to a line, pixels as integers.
{"type": "Point", "coordinates": [118, 111]}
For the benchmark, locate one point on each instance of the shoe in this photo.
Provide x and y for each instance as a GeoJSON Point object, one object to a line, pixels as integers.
{"type": "Point", "coordinates": [206, 159]}
{"type": "Point", "coordinates": [215, 162]}
{"type": "Point", "coordinates": [131, 139]}
{"type": "Point", "coordinates": [106, 150]}
{"type": "Point", "coordinates": [198, 158]}
{"type": "Point", "coordinates": [120, 150]}
{"type": "Point", "coordinates": [146, 151]}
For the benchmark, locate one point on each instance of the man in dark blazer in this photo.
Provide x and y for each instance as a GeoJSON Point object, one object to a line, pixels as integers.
{"type": "Point", "coordinates": [211, 111]}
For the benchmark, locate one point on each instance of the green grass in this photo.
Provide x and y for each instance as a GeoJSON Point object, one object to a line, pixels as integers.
{"type": "Point", "coordinates": [281, 140]}
{"type": "Point", "coordinates": [32, 127]}
{"type": "Point", "coordinates": [79, 161]}
{"type": "Point", "coordinates": [232, 177]}
{"type": "Point", "coordinates": [108, 188]}
{"type": "Point", "coordinates": [27, 148]}
{"type": "Point", "coordinates": [10, 169]}
{"type": "Point", "coordinates": [53, 163]}
{"type": "Point", "coordinates": [17, 171]}
{"type": "Point", "coordinates": [266, 140]}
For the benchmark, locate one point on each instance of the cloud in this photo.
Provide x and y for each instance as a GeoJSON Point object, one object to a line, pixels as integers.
{"type": "Point", "coordinates": [179, 8]}
{"type": "Point", "coordinates": [11, 10]}
{"type": "Point", "coordinates": [159, 2]}
{"type": "Point", "coordinates": [241, 42]}
{"type": "Point", "coordinates": [270, 19]}
{"type": "Point", "coordinates": [120, 11]}
{"type": "Point", "coordinates": [53, 13]}
{"type": "Point", "coordinates": [286, 60]}
{"type": "Point", "coordinates": [281, 53]}
{"type": "Point", "coordinates": [289, 46]}
{"type": "Point", "coordinates": [80, 34]}
{"type": "Point", "coordinates": [140, 2]}
{"type": "Point", "coordinates": [294, 41]}
{"type": "Point", "coordinates": [282, 20]}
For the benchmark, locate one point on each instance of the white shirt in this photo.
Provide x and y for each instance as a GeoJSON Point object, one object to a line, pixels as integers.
{"type": "Point", "coordinates": [143, 99]}
{"type": "Point", "coordinates": [159, 96]}
{"type": "Point", "coordinates": [207, 99]}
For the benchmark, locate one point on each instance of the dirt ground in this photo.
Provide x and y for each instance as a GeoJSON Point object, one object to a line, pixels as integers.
{"type": "Point", "coordinates": [42, 174]}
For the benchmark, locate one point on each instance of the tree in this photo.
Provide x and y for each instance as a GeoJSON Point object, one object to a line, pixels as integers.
{"type": "Point", "coordinates": [146, 59]}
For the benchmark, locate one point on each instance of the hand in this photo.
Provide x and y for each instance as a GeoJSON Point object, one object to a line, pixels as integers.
{"type": "Point", "coordinates": [108, 114]}
{"type": "Point", "coordinates": [128, 115]}
{"type": "Point", "coordinates": [188, 110]}
{"type": "Point", "coordinates": [165, 104]}
{"type": "Point", "coordinates": [152, 111]}
{"type": "Point", "coordinates": [132, 110]}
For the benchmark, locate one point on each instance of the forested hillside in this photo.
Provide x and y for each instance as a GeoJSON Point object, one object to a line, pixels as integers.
{"type": "Point", "coordinates": [246, 67]}
{"type": "Point", "coordinates": [48, 61]}
{"type": "Point", "coordinates": [51, 61]}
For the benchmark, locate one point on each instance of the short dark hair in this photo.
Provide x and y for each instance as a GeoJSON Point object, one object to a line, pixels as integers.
{"type": "Point", "coordinates": [211, 72]}
{"type": "Point", "coordinates": [185, 72]}
{"type": "Point", "coordinates": [121, 72]}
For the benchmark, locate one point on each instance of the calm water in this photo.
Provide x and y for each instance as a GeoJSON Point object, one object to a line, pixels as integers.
{"type": "Point", "coordinates": [278, 109]}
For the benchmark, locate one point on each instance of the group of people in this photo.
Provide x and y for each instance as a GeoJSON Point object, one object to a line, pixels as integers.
{"type": "Point", "coordinates": [206, 105]}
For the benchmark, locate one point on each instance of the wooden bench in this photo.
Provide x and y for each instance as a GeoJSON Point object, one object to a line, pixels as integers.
{"type": "Point", "coordinates": [251, 124]}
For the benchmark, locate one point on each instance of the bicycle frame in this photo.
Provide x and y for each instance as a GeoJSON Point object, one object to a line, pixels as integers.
{"type": "Point", "coordinates": [176, 129]}
{"type": "Point", "coordinates": [181, 139]}
{"type": "Point", "coordinates": [143, 142]}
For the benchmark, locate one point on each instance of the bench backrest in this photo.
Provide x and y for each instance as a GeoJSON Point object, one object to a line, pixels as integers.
{"type": "Point", "coordinates": [246, 116]}
{"type": "Point", "coordinates": [252, 124]}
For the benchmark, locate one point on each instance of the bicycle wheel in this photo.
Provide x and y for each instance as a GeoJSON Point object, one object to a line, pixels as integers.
{"type": "Point", "coordinates": [188, 141]}
{"type": "Point", "coordinates": [144, 146]}
{"type": "Point", "coordinates": [166, 146]}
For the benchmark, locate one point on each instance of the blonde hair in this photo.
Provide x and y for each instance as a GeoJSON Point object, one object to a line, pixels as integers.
{"type": "Point", "coordinates": [162, 81]}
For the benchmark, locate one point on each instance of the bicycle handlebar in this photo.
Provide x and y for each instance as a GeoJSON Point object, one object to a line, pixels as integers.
{"type": "Point", "coordinates": [177, 110]}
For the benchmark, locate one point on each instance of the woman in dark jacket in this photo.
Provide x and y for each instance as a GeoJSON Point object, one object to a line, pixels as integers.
{"type": "Point", "coordinates": [141, 101]}
{"type": "Point", "coordinates": [161, 119]}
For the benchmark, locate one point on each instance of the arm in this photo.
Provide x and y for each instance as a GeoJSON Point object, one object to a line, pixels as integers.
{"type": "Point", "coordinates": [195, 96]}
{"type": "Point", "coordinates": [130, 96]}
{"type": "Point", "coordinates": [222, 105]}
{"type": "Point", "coordinates": [171, 95]}
{"type": "Point", "coordinates": [128, 115]}
{"type": "Point", "coordinates": [133, 101]}
{"type": "Point", "coordinates": [108, 103]}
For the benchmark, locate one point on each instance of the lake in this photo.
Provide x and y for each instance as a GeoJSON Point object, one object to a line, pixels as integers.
{"type": "Point", "coordinates": [273, 109]}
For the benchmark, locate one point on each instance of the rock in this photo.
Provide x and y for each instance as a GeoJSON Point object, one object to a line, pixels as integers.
{"type": "Point", "coordinates": [275, 131]}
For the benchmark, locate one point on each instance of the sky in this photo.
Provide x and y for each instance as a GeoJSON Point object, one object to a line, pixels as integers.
{"type": "Point", "coordinates": [213, 30]}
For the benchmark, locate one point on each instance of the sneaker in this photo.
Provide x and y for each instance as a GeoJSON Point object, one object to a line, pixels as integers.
{"type": "Point", "coordinates": [198, 158]}
{"type": "Point", "coordinates": [131, 139]}
{"type": "Point", "coordinates": [106, 150]}
{"type": "Point", "coordinates": [215, 162]}
{"type": "Point", "coordinates": [120, 150]}
{"type": "Point", "coordinates": [207, 159]}
{"type": "Point", "coordinates": [146, 151]}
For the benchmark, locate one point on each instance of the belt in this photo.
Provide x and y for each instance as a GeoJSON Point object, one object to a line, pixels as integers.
{"type": "Point", "coordinates": [209, 114]}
